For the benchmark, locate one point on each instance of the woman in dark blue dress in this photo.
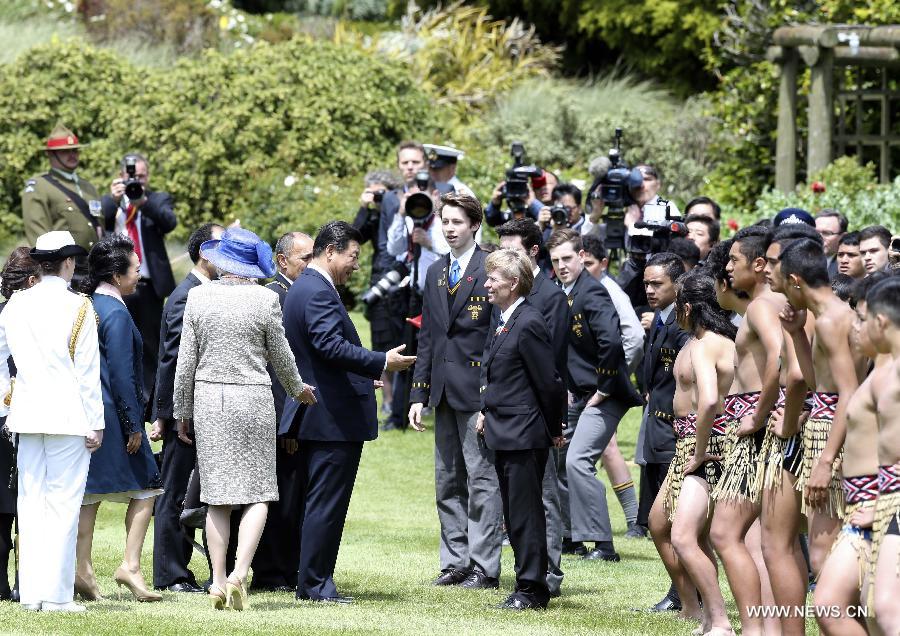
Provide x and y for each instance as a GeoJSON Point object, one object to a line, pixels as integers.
{"type": "Point", "coordinates": [20, 272]}
{"type": "Point", "coordinates": [123, 468]}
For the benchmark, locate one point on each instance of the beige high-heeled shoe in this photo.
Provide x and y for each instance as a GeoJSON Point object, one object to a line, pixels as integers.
{"type": "Point", "coordinates": [87, 589]}
{"type": "Point", "coordinates": [135, 584]}
{"type": "Point", "coordinates": [217, 597]}
{"type": "Point", "coordinates": [236, 594]}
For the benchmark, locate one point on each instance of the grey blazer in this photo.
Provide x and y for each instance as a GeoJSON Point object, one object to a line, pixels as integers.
{"type": "Point", "coordinates": [231, 331]}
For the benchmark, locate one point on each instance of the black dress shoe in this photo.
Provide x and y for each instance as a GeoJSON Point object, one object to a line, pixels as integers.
{"type": "Point", "coordinates": [599, 554]}
{"type": "Point", "coordinates": [479, 581]}
{"type": "Point", "coordinates": [450, 576]}
{"type": "Point", "coordinates": [338, 600]}
{"type": "Point", "coordinates": [182, 587]}
{"type": "Point", "coordinates": [636, 531]}
{"type": "Point", "coordinates": [574, 547]}
{"type": "Point", "coordinates": [518, 603]}
{"type": "Point", "coordinates": [669, 603]}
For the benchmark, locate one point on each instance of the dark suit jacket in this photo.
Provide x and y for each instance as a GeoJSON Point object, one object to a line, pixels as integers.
{"type": "Point", "coordinates": [550, 300]}
{"type": "Point", "coordinates": [280, 286]}
{"type": "Point", "coordinates": [330, 357]}
{"type": "Point", "coordinates": [453, 337]}
{"type": "Point", "coordinates": [169, 339]}
{"type": "Point", "coordinates": [832, 268]}
{"type": "Point", "coordinates": [596, 356]}
{"type": "Point", "coordinates": [658, 380]}
{"type": "Point", "coordinates": [524, 400]}
{"type": "Point", "coordinates": [157, 220]}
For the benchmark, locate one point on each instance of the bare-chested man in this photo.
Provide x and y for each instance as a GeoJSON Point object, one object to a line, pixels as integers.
{"type": "Point", "coordinates": [883, 324]}
{"type": "Point", "coordinates": [836, 369]}
{"type": "Point", "coordinates": [703, 374]}
{"type": "Point", "coordinates": [764, 364]}
{"type": "Point", "coordinates": [844, 578]}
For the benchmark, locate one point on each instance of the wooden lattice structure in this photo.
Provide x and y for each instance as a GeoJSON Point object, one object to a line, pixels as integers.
{"type": "Point", "coordinates": [822, 49]}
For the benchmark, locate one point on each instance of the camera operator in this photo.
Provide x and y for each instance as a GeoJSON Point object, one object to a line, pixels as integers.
{"type": "Point", "coordinates": [410, 162]}
{"type": "Point", "coordinates": [133, 209]}
{"type": "Point", "coordinates": [540, 194]}
{"type": "Point", "coordinates": [564, 213]}
{"type": "Point", "coordinates": [386, 313]}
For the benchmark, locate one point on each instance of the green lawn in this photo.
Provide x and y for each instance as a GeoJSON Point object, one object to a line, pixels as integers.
{"type": "Point", "coordinates": [388, 557]}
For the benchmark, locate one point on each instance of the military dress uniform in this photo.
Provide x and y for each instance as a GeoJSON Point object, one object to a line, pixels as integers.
{"type": "Point", "coordinates": [60, 200]}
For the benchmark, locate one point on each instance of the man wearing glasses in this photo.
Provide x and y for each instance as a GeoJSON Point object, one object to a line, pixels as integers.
{"type": "Point", "coordinates": [831, 226]}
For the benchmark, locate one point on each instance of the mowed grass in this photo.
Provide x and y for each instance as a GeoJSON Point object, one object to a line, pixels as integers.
{"type": "Point", "coordinates": [388, 557]}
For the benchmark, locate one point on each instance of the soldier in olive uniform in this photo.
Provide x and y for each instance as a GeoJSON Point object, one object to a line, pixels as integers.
{"type": "Point", "coordinates": [60, 200]}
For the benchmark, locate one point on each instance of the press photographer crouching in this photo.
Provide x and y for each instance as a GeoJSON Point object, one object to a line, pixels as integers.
{"type": "Point", "coordinates": [523, 404]}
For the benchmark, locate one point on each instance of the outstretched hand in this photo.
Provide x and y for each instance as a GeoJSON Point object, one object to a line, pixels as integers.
{"type": "Point", "coordinates": [398, 362]}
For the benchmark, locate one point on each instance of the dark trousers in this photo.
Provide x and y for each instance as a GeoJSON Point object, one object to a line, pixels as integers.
{"type": "Point", "coordinates": [327, 474]}
{"type": "Point", "coordinates": [278, 555]}
{"type": "Point", "coordinates": [171, 549]}
{"type": "Point", "coordinates": [652, 478]}
{"type": "Point", "coordinates": [6, 546]}
{"type": "Point", "coordinates": [146, 310]}
{"type": "Point", "coordinates": [521, 476]}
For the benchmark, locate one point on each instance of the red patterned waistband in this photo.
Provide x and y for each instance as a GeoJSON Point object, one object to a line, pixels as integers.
{"type": "Point", "coordinates": [738, 405]}
{"type": "Point", "coordinates": [860, 488]}
{"type": "Point", "coordinates": [824, 405]}
{"type": "Point", "coordinates": [687, 426]}
{"type": "Point", "coordinates": [782, 398]}
{"type": "Point", "coordinates": [888, 480]}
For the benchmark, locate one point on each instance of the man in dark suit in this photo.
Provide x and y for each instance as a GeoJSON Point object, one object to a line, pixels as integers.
{"type": "Point", "coordinates": [831, 226]}
{"type": "Point", "coordinates": [600, 389]}
{"type": "Point", "coordinates": [656, 439]}
{"type": "Point", "coordinates": [523, 406]}
{"type": "Point", "coordinates": [550, 301]}
{"type": "Point", "coordinates": [171, 549]}
{"type": "Point", "coordinates": [146, 221]}
{"type": "Point", "coordinates": [455, 321]}
{"type": "Point", "coordinates": [331, 432]}
{"type": "Point", "coordinates": [276, 558]}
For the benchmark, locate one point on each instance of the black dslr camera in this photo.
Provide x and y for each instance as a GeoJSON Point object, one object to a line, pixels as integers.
{"type": "Point", "coordinates": [515, 191]}
{"type": "Point", "coordinates": [133, 188]}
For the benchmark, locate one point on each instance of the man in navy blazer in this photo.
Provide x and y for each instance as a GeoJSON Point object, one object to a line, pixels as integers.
{"type": "Point", "coordinates": [171, 548]}
{"type": "Point", "coordinates": [331, 432]}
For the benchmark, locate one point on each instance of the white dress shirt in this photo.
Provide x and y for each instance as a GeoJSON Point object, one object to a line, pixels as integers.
{"type": "Point", "coordinates": [506, 315]}
{"type": "Point", "coordinates": [629, 324]}
{"type": "Point", "coordinates": [53, 394]}
{"type": "Point", "coordinates": [121, 228]}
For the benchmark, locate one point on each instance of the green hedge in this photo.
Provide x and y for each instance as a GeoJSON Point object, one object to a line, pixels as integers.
{"type": "Point", "coordinates": [215, 127]}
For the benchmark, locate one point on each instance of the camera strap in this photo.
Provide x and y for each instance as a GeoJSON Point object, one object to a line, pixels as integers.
{"type": "Point", "coordinates": [80, 203]}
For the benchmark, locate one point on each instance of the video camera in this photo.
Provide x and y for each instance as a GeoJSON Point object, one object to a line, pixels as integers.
{"type": "Point", "coordinates": [134, 190]}
{"type": "Point", "coordinates": [515, 191]}
{"type": "Point", "coordinates": [653, 234]}
{"type": "Point", "coordinates": [615, 192]}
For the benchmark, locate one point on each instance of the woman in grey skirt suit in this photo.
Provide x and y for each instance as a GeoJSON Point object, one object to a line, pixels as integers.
{"type": "Point", "coordinates": [232, 329]}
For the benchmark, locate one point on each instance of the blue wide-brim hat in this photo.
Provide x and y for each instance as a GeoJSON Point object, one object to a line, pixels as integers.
{"type": "Point", "coordinates": [240, 252]}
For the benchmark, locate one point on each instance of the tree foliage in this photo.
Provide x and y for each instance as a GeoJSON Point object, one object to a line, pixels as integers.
{"type": "Point", "coordinates": [212, 125]}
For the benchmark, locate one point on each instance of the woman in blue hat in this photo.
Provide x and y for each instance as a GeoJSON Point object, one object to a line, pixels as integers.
{"type": "Point", "coordinates": [232, 329]}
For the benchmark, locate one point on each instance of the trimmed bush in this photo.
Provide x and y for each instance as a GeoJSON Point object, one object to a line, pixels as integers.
{"type": "Point", "coordinates": [211, 126]}
{"type": "Point", "coordinates": [844, 186]}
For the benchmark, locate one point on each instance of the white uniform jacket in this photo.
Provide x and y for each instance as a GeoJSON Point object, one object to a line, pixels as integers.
{"type": "Point", "coordinates": [53, 393]}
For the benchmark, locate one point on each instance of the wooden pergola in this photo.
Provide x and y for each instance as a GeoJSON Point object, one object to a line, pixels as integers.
{"type": "Point", "coordinates": [822, 48]}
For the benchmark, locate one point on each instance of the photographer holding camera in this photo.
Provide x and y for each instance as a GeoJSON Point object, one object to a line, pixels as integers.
{"type": "Point", "coordinates": [385, 304]}
{"type": "Point", "coordinates": [133, 209]}
{"type": "Point", "coordinates": [565, 211]}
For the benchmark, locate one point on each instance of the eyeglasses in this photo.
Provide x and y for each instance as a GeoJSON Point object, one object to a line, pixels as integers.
{"type": "Point", "coordinates": [828, 233]}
